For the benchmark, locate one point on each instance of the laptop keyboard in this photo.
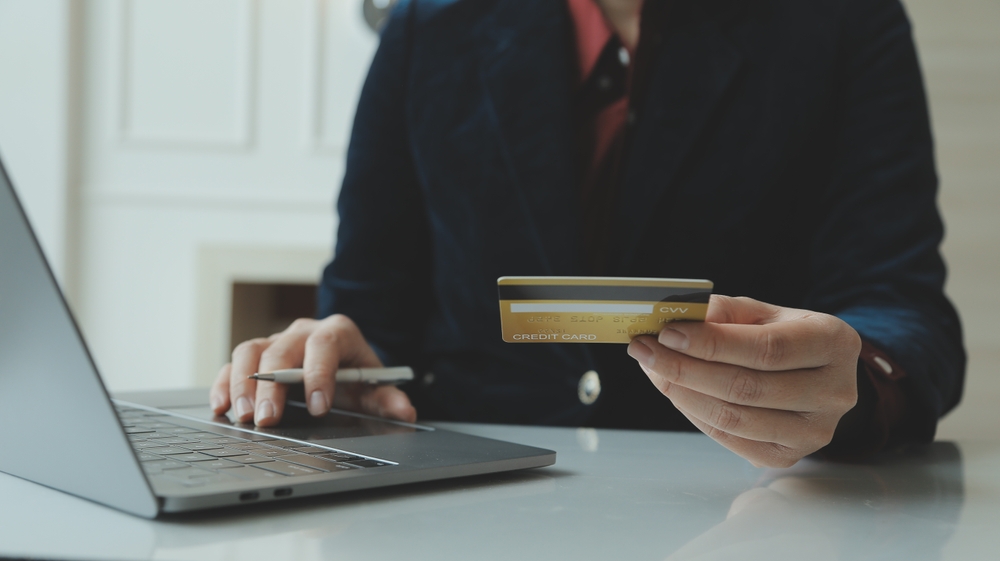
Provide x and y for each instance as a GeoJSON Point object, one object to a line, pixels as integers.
{"type": "Point", "coordinates": [173, 453]}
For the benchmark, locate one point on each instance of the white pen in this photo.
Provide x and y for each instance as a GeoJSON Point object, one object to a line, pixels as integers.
{"type": "Point", "coordinates": [391, 375]}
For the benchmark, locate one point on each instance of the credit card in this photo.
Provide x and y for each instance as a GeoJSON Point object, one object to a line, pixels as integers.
{"type": "Point", "coordinates": [596, 309]}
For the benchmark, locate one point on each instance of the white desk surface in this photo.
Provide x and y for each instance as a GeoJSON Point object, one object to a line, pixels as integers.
{"type": "Point", "coordinates": [611, 495]}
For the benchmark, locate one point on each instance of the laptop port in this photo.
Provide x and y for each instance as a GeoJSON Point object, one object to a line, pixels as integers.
{"type": "Point", "coordinates": [249, 496]}
{"type": "Point", "coordinates": [283, 492]}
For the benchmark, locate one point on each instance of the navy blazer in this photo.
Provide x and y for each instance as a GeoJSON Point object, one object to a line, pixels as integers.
{"type": "Point", "coordinates": [783, 151]}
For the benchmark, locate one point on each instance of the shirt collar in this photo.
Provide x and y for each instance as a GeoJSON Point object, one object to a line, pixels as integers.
{"type": "Point", "coordinates": [592, 33]}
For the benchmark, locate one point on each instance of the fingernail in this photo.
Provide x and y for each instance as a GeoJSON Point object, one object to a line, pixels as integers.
{"type": "Point", "coordinates": [673, 339]}
{"type": "Point", "coordinates": [317, 404]}
{"type": "Point", "coordinates": [215, 401]}
{"type": "Point", "coordinates": [638, 350]}
{"type": "Point", "coordinates": [265, 411]}
{"type": "Point", "coordinates": [243, 407]}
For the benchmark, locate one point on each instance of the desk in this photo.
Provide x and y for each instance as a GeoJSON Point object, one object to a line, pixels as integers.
{"type": "Point", "coordinates": [611, 495]}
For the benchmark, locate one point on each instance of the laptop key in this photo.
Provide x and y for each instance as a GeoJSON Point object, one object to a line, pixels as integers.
{"type": "Point", "coordinates": [177, 430]}
{"type": "Point", "coordinates": [285, 468]}
{"type": "Point", "coordinates": [310, 461]}
{"type": "Point", "coordinates": [153, 424]}
{"type": "Point", "coordinates": [167, 450]}
{"type": "Point", "coordinates": [200, 446]}
{"type": "Point", "coordinates": [219, 439]}
{"type": "Point", "coordinates": [219, 464]}
{"type": "Point", "coordinates": [191, 457]}
{"type": "Point", "coordinates": [174, 440]}
{"type": "Point", "coordinates": [273, 452]}
{"type": "Point", "coordinates": [336, 457]}
{"type": "Point", "coordinates": [249, 459]}
{"type": "Point", "coordinates": [224, 452]}
{"type": "Point", "coordinates": [314, 450]}
{"type": "Point", "coordinates": [144, 457]}
{"type": "Point", "coordinates": [137, 430]}
{"type": "Point", "coordinates": [164, 464]}
{"type": "Point", "coordinates": [249, 446]}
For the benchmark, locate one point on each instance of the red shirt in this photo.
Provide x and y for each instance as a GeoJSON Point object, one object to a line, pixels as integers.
{"type": "Point", "coordinates": [592, 35]}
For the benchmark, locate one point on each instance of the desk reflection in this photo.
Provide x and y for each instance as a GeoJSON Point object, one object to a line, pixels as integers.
{"type": "Point", "coordinates": [612, 495]}
{"type": "Point", "coordinates": [903, 506]}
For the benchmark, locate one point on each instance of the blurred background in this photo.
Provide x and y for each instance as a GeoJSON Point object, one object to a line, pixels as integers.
{"type": "Point", "coordinates": [180, 160]}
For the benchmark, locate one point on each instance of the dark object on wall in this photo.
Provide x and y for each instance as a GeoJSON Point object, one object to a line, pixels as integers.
{"type": "Point", "coordinates": [377, 12]}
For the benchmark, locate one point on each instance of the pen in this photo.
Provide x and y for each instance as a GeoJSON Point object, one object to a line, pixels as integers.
{"type": "Point", "coordinates": [391, 375]}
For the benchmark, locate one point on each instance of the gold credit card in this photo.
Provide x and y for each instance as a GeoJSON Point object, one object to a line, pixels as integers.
{"type": "Point", "coordinates": [596, 309]}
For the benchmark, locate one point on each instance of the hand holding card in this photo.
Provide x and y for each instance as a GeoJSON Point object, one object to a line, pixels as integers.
{"type": "Point", "coordinates": [767, 382]}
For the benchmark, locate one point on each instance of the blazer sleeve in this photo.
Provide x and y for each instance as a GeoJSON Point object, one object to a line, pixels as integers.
{"type": "Point", "coordinates": [380, 273]}
{"type": "Point", "coordinates": [875, 260]}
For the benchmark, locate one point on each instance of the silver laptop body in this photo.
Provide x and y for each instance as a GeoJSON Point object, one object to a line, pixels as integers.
{"type": "Point", "coordinates": [154, 452]}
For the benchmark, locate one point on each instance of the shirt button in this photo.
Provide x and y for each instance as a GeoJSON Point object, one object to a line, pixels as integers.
{"type": "Point", "coordinates": [604, 83]}
{"type": "Point", "coordinates": [883, 364]}
{"type": "Point", "coordinates": [623, 56]}
{"type": "Point", "coordinates": [589, 388]}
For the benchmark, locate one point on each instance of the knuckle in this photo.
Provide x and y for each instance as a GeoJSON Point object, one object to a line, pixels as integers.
{"type": "Point", "coordinates": [852, 340]}
{"type": "Point", "coordinates": [253, 346]}
{"type": "Point", "coordinates": [847, 399]}
{"type": "Point", "coordinates": [818, 433]}
{"type": "Point", "coordinates": [301, 324]}
{"type": "Point", "coordinates": [824, 437]}
{"type": "Point", "coordinates": [774, 348]}
{"type": "Point", "coordinates": [745, 388]}
{"type": "Point", "coordinates": [341, 322]}
{"type": "Point", "coordinates": [778, 456]}
{"type": "Point", "coordinates": [280, 354]}
{"type": "Point", "coordinates": [717, 434]}
{"type": "Point", "coordinates": [710, 349]}
{"type": "Point", "coordinates": [665, 387]}
{"type": "Point", "coordinates": [786, 461]}
{"type": "Point", "coordinates": [324, 337]}
{"type": "Point", "coordinates": [727, 418]}
{"type": "Point", "coordinates": [671, 369]}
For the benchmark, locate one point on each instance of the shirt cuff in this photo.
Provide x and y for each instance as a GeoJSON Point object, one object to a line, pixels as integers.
{"type": "Point", "coordinates": [877, 421]}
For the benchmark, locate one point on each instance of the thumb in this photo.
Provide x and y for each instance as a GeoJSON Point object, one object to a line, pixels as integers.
{"type": "Point", "coordinates": [742, 310]}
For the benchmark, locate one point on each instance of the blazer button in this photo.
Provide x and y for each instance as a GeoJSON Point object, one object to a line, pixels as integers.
{"type": "Point", "coordinates": [589, 388]}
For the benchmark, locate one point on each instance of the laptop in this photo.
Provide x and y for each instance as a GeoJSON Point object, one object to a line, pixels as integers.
{"type": "Point", "coordinates": [159, 452]}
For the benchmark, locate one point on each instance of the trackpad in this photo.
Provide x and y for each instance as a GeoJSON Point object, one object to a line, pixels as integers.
{"type": "Point", "coordinates": [297, 423]}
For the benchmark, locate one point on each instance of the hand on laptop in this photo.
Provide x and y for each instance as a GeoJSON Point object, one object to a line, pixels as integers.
{"type": "Point", "coordinates": [767, 382]}
{"type": "Point", "coordinates": [318, 346]}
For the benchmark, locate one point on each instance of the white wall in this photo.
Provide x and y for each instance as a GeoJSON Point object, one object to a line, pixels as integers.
{"type": "Point", "coordinates": [959, 43]}
{"type": "Point", "coordinates": [211, 140]}
{"type": "Point", "coordinates": [34, 115]}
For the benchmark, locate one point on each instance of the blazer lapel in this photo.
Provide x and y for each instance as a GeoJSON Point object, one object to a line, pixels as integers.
{"type": "Point", "coordinates": [528, 77]}
{"type": "Point", "coordinates": [694, 67]}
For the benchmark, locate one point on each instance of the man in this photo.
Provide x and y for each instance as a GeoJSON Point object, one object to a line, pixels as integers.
{"type": "Point", "coordinates": [780, 148]}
